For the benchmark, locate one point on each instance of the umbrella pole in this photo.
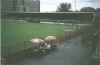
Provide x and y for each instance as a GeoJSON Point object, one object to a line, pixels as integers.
{"type": "Point", "coordinates": [24, 45]}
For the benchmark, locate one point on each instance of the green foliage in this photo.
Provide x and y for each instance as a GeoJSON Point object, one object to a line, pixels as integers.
{"type": "Point", "coordinates": [87, 9]}
{"type": "Point", "coordinates": [64, 7]}
{"type": "Point", "coordinates": [97, 16]}
{"type": "Point", "coordinates": [98, 10]}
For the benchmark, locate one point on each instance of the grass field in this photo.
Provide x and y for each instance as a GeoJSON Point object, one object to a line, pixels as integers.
{"type": "Point", "coordinates": [15, 34]}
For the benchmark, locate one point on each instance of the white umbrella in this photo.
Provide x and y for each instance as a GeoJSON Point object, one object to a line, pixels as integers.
{"type": "Point", "coordinates": [36, 40]}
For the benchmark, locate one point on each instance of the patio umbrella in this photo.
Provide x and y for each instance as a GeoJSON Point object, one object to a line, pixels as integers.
{"type": "Point", "coordinates": [37, 40]}
{"type": "Point", "coordinates": [49, 38]}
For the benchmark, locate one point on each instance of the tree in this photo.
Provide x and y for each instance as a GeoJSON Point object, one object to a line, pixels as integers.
{"type": "Point", "coordinates": [97, 17]}
{"type": "Point", "coordinates": [64, 7]}
{"type": "Point", "coordinates": [87, 9]}
{"type": "Point", "coordinates": [98, 10]}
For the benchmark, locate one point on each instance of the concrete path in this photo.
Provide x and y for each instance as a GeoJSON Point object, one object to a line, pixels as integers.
{"type": "Point", "coordinates": [69, 53]}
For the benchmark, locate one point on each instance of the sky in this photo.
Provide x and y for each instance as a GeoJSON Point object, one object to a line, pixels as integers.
{"type": "Point", "coordinates": [51, 5]}
{"type": "Point", "coordinates": [97, 3]}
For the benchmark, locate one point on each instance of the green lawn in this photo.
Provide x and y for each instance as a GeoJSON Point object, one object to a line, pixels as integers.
{"type": "Point", "coordinates": [15, 34]}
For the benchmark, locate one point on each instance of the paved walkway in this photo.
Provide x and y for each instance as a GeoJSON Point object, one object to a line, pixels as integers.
{"type": "Point", "coordinates": [69, 53]}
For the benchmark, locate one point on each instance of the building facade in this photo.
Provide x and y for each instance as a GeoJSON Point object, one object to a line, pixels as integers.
{"type": "Point", "coordinates": [19, 6]}
{"type": "Point", "coordinates": [32, 5]}
{"type": "Point", "coordinates": [9, 6]}
{"type": "Point", "coordinates": [12, 6]}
